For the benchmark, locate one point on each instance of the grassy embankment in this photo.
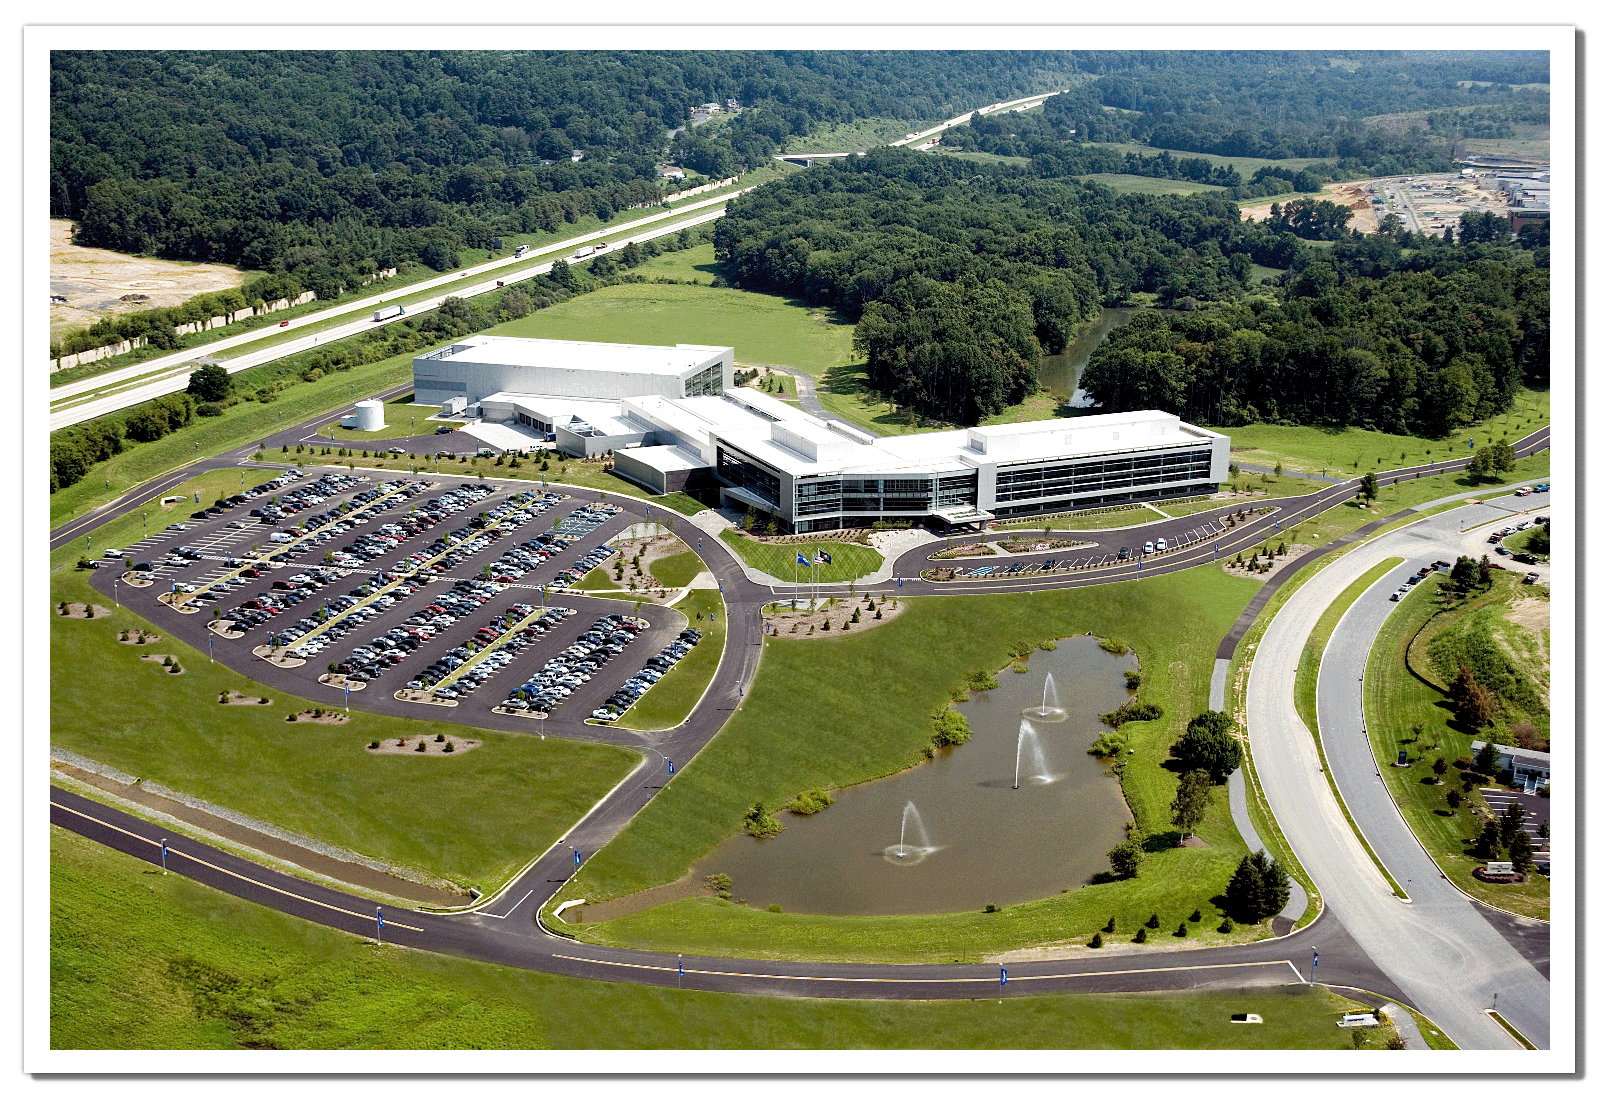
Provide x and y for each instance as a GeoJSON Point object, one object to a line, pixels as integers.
{"type": "Point", "coordinates": [142, 961]}
{"type": "Point", "coordinates": [1305, 694]}
{"type": "Point", "coordinates": [850, 560]}
{"type": "Point", "coordinates": [470, 819]}
{"type": "Point", "coordinates": [1407, 708]}
{"type": "Point", "coordinates": [826, 715]}
{"type": "Point", "coordinates": [672, 698]}
{"type": "Point", "coordinates": [861, 133]}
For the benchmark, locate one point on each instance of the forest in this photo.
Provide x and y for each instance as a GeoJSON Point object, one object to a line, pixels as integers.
{"type": "Point", "coordinates": [331, 165]}
{"type": "Point", "coordinates": [963, 274]}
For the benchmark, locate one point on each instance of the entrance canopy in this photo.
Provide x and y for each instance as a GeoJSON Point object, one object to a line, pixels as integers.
{"type": "Point", "coordinates": [960, 514]}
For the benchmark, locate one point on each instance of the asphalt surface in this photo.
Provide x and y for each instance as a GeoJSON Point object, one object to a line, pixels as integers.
{"type": "Point", "coordinates": [1439, 949]}
{"type": "Point", "coordinates": [504, 928]}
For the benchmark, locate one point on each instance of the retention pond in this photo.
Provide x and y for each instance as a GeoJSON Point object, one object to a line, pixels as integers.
{"type": "Point", "coordinates": [955, 833]}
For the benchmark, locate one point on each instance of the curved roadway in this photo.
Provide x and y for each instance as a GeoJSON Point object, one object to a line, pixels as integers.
{"type": "Point", "coordinates": [505, 929]}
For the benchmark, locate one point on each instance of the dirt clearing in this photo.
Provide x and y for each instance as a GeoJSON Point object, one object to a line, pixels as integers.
{"type": "Point", "coordinates": [94, 281]}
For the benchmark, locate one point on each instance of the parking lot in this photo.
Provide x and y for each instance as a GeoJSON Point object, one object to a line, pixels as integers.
{"type": "Point", "coordinates": [417, 592]}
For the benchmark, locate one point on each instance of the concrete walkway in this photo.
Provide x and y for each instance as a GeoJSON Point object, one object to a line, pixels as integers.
{"type": "Point", "coordinates": [1406, 1026]}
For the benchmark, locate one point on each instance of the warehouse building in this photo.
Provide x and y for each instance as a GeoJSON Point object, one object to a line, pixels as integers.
{"type": "Point", "coordinates": [673, 421]}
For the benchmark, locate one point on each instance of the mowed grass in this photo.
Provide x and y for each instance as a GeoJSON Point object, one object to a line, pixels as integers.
{"type": "Point", "coordinates": [854, 708]}
{"type": "Point", "coordinates": [677, 570]}
{"type": "Point", "coordinates": [471, 819]}
{"type": "Point", "coordinates": [142, 961]}
{"type": "Point", "coordinates": [698, 263]}
{"type": "Point", "coordinates": [862, 133]}
{"type": "Point", "coordinates": [670, 700]}
{"type": "Point", "coordinates": [850, 560]}
{"type": "Point", "coordinates": [1149, 185]}
{"type": "Point", "coordinates": [761, 328]}
{"type": "Point", "coordinates": [1398, 702]}
{"type": "Point", "coordinates": [1351, 452]}
{"type": "Point", "coordinates": [152, 518]}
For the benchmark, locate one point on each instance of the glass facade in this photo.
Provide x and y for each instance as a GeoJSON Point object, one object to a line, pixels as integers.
{"type": "Point", "coordinates": [746, 473]}
{"type": "Point", "coordinates": [1102, 475]}
{"type": "Point", "coordinates": [703, 383]}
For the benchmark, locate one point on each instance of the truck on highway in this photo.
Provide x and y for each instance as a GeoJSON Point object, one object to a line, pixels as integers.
{"type": "Point", "coordinates": [585, 250]}
{"type": "Point", "coordinates": [522, 250]}
{"type": "Point", "coordinates": [387, 312]}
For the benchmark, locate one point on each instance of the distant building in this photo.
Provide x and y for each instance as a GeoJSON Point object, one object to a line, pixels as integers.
{"type": "Point", "coordinates": [671, 172]}
{"type": "Point", "coordinates": [1530, 769]}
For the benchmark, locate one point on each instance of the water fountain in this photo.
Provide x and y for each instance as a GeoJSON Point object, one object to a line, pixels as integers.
{"type": "Point", "coordinates": [1049, 708]}
{"type": "Point", "coordinates": [1039, 769]}
{"type": "Point", "coordinates": [905, 854]}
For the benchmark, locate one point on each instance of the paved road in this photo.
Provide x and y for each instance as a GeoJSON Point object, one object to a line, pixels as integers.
{"type": "Point", "coordinates": [504, 928]}
{"type": "Point", "coordinates": [1439, 950]}
{"type": "Point", "coordinates": [507, 934]}
{"type": "Point", "coordinates": [140, 383]}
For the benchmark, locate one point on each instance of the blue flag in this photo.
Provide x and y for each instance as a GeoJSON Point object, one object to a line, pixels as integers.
{"type": "Point", "coordinates": [824, 556]}
{"type": "Point", "coordinates": [802, 559]}
{"type": "Point", "coordinates": [380, 918]}
{"type": "Point", "coordinates": [163, 851]}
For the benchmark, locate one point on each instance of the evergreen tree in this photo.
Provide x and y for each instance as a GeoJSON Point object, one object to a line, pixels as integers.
{"type": "Point", "coordinates": [1259, 888]}
{"type": "Point", "coordinates": [1193, 798]}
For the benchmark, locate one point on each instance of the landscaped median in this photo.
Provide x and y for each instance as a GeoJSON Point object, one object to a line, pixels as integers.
{"type": "Point", "coordinates": [850, 560]}
{"type": "Point", "coordinates": [1408, 708]}
{"type": "Point", "coordinates": [826, 714]}
{"type": "Point", "coordinates": [669, 701]}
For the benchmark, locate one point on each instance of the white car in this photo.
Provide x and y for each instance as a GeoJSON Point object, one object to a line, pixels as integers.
{"type": "Point", "coordinates": [1161, 544]}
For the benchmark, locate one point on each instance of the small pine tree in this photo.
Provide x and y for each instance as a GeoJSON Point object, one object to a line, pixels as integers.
{"type": "Point", "coordinates": [1111, 925]}
{"type": "Point", "coordinates": [879, 614]}
{"type": "Point", "coordinates": [825, 625]}
{"type": "Point", "coordinates": [1096, 941]}
{"type": "Point", "coordinates": [422, 745]}
{"type": "Point", "coordinates": [449, 746]}
{"type": "Point", "coordinates": [438, 737]}
{"type": "Point", "coordinates": [855, 616]}
{"type": "Point", "coordinates": [1194, 918]}
{"type": "Point", "coordinates": [1139, 936]}
{"type": "Point", "coordinates": [373, 745]}
{"type": "Point", "coordinates": [1154, 921]}
{"type": "Point", "coordinates": [63, 607]}
{"type": "Point", "coordinates": [1226, 926]}
{"type": "Point", "coordinates": [1183, 929]}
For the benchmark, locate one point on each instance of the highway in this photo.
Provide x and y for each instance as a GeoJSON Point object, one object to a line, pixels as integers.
{"type": "Point", "coordinates": [1375, 958]}
{"type": "Point", "coordinates": [71, 403]}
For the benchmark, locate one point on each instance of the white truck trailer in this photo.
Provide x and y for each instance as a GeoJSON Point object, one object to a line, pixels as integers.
{"type": "Point", "coordinates": [387, 312]}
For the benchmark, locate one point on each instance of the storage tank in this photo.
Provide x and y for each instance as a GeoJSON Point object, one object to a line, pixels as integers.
{"type": "Point", "coordinates": [369, 415]}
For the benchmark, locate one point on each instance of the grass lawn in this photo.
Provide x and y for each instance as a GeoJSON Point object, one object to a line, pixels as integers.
{"type": "Point", "coordinates": [829, 714]}
{"type": "Point", "coordinates": [672, 697]}
{"type": "Point", "coordinates": [1408, 711]}
{"type": "Point", "coordinates": [153, 517]}
{"type": "Point", "coordinates": [761, 328]}
{"type": "Point", "coordinates": [1149, 185]}
{"type": "Point", "coordinates": [850, 560]}
{"type": "Point", "coordinates": [698, 263]}
{"type": "Point", "coordinates": [1350, 452]}
{"type": "Point", "coordinates": [677, 570]}
{"type": "Point", "coordinates": [472, 819]}
{"type": "Point", "coordinates": [142, 961]}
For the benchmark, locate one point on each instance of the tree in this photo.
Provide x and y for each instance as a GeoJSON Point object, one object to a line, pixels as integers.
{"type": "Point", "coordinates": [1487, 846]}
{"type": "Point", "coordinates": [1207, 744]}
{"type": "Point", "coordinates": [1464, 573]}
{"type": "Point", "coordinates": [1487, 759]}
{"type": "Point", "coordinates": [1126, 857]}
{"type": "Point", "coordinates": [210, 383]}
{"type": "Point", "coordinates": [1519, 849]}
{"type": "Point", "coordinates": [1476, 706]}
{"type": "Point", "coordinates": [1453, 797]}
{"type": "Point", "coordinates": [1439, 766]}
{"type": "Point", "coordinates": [1259, 888]}
{"type": "Point", "coordinates": [1369, 485]}
{"type": "Point", "coordinates": [1193, 798]}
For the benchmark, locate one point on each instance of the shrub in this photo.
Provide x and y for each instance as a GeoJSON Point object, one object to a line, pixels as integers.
{"type": "Point", "coordinates": [1132, 711]}
{"type": "Point", "coordinates": [422, 746]}
{"type": "Point", "coordinates": [1139, 936]}
{"type": "Point", "coordinates": [449, 746]}
{"type": "Point", "coordinates": [1194, 918]}
{"type": "Point", "coordinates": [774, 908]}
{"type": "Point", "coordinates": [991, 908]}
{"type": "Point", "coordinates": [1111, 925]}
{"type": "Point", "coordinates": [1114, 645]}
{"type": "Point", "coordinates": [1133, 678]}
{"type": "Point", "coordinates": [373, 745]}
{"type": "Point", "coordinates": [1126, 857]}
{"type": "Point", "coordinates": [1154, 921]}
{"type": "Point", "coordinates": [292, 718]}
{"type": "Point", "coordinates": [981, 679]}
{"type": "Point", "coordinates": [438, 737]}
{"type": "Point", "coordinates": [810, 802]}
{"type": "Point", "coordinates": [759, 823]}
{"type": "Point", "coordinates": [1226, 926]}
{"type": "Point", "coordinates": [1108, 744]}
{"type": "Point", "coordinates": [1019, 668]}
{"type": "Point", "coordinates": [720, 884]}
{"type": "Point", "coordinates": [1096, 941]}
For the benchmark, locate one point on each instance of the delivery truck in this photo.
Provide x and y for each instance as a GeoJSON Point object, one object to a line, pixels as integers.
{"type": "Point", "coordinates": [387, 312]}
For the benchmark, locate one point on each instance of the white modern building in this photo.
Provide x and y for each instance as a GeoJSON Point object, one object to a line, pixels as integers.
{"type": "Point", "coordinates": [480, 367]}
{"type": "Point", "coordinates": [681, 425]}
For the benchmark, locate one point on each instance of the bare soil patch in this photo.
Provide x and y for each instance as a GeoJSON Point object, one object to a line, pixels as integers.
{"type": "Point", "coordinates": [94, 281]}
{"type": "Point", "coordinates": [234, 699]}
{"type": "Point", "coordinates": [1529, 612]}
{"type": "Point", "coordinates": [1351, 193]}
{"type": "Point", "coordinates": [408, 746]}
{"type": "Point", "coordinates": [80, 611]}
{"type": "Point", "coordinates": [804, 623]}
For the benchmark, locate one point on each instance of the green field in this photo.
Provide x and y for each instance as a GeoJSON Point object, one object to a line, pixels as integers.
{"type": "Point", "coordinates": [1150, 185]}
{"type": "Point", "coordinates": [850, 560]}
{"type": "Point", "coordinates": [677, 570]}
{"type": "Point", "coordinates": [672, 697]}
{"type": "Point", "coordinates": [862, 133]}
{"type": "Point", "coordinates": [829, 714]}
{"type": "Point", "coordinates": [472, 819]}
{"type": "Point", "coordinates": [698, 264]}
{"type": "Point", "coordinates": [761, 328]}
{"type": "Point", "coordinates": [1247, 166]}
{"type": "Point", "coordinates": [1350, 452]}
{"type": "Point", "coordinates": [1399, 703]}
{"type": "Point", "coordinates": [144, 961]}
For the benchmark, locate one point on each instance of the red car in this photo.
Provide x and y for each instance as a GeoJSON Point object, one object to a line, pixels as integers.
{"type": "Point", "coordinates": [283, 324]}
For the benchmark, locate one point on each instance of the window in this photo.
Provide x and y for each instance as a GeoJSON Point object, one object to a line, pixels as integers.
{"type": "Point", "coordinates": [745, 473]}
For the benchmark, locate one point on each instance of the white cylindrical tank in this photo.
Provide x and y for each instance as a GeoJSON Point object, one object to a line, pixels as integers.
{"type": "Point", "coordinates": [369, 415]}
